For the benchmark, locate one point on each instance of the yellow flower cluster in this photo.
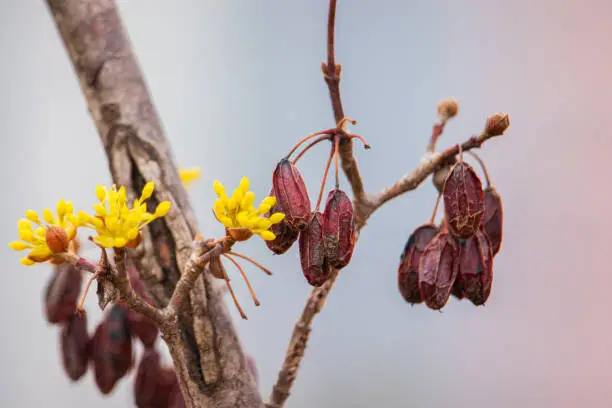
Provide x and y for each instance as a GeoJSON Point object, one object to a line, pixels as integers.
{"type": "Point", "coordinates": [44, 241]}
{"type": "Point", "coordinates": [238, 211]}
{"type": "Point", "coordinates": [116, 223]}
{"type": "Point", "coordinates": [188, 176]}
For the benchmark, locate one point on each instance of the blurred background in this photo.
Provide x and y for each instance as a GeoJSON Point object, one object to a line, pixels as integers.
{"type": "Point", "coordinates": [236, 83]}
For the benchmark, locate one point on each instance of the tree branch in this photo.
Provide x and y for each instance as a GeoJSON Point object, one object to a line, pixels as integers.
{"type": "Point", "coordinates": [365, 205]}
{"type": "Point", "coordinates": [208, 358]}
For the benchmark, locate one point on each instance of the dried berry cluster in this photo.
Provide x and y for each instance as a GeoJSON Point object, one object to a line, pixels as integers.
{"type": "Point", "coordinates": [109, 351]}
{"type": "Point", "coordinates": [457, 256]}
{"type": "Point", "coordinates": [326, 239]}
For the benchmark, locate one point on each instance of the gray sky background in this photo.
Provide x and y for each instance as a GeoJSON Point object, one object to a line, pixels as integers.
{"type": "Point", "coordinates": [238, 82]}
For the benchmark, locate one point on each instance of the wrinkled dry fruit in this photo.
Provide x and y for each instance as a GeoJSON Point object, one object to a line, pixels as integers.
{"type": "Point", "coordinates": [438, 270]}
{"type": "Point", "coordinates": [142, 327]}
{"type": "Point", "coordinates": [168, 391]}
{"type": "Point", "coordinates": [112, 349]}
{"type": "Point", "coordinates": [338, 229]}
{"type": "Point", "coordinates": [75, 346]}
{"type": "Point", "coordinates": [463, 201]}
{"type": "Point", "coordinates": [285, 235]}
{"type": "Point", "coordinates": [475, 269]}
{"type": "Point", "coordinates": [441, 174]}
{"type": "Point", "coordinates": [62, 293]}
{"type": "Point", "coordinates": [291, 194]}
{"type": "Point", "coordinates": [492, 222]}
{"type": "Point", "coordinates": [408, 271]}
{"type": "Point", "coordinates": [147, 377]}
{"type": "Point", "coordinates": [312, 254]}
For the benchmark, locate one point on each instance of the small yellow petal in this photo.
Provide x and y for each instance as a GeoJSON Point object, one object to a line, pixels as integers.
{"type": "Point", "coordinates": [100, 210]}
{"type": "Point", "coordinates": [48, 216]}
{"type": "Point", "coordinates": [263, 208]}
{"type": "Point", "coordinates": [162, 209]}
{"type": "Point", "coordinates": [61, 208]}
{"type": "Point", "coordinates": [219, 189]}
{"type": "Point", "coordinates": [26, 235]}
{"type": "Point", "coordinates": [69, 207]}
{"type": "Point", "coordinates": [147, 191]}
{"type": "Point", "coordinates": [40, 254]}
{"type": "Point", "coordinates": [32, 215]}
{"type": "Point", "coordinates": [98, 223]}
{"type": "Point", "coordinates": [83, 217]}
{"type": "Point", "coordinates": [219, 207]}
{"type": "Point", "coordinates": [276, 218]}
{"type": "Point", "coordinates": [270, 200]}
{"type": "Point", "coordinates": [27, 262]}
{"type": "Point", "coordinates": [244, 185]}
{"type": "Point", "coordinates": [41, 232]}
{"type": "Point", "coordinates": [231, 204]}
{"type": "Point", "coordinates": [226, 221]}
{"type": "Point", "coordinates": [242, 218]}
{"type": "Point", "coordinates": [267, 235]}
{"type": "Point", "coordinates": [100, 193]}
{"type": "Point", "coordinates": [263, 223]}
{"type": "Point", "coordinates": [248, 200]}
{"type": "Point", "coordinates": [24, 224]}
{"type": "Point", "coordinates": [120, 242]}
{"type": "Point", "coordinates": [19, 246]}
{"type": "Point", "coordinates": [104, 241]}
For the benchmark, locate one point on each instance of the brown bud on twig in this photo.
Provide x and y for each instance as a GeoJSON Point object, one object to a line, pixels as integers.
{"type": "Point", "coordinates": [448, 108]}
{"type": "Point", "coordinates": [285, 235]}
{"type": "Point", "coordinates": [339, 231]}
{"type": "Point", "coordinates": [57, 239]}
{"type": "Point", "coordinates": [463, 200]}
{"type": "Point", "coordinates": [74, 344]}
{"type": "Point", "coordinates": [291, 194]}
{"type": "Point", "coordinates": [408, 271]}
{"type": "Point", "coordinates": [62, 293]}
{"type": "Point", "coordinates": [312, 254]}
{"type": "Point", "coordinates": [216, 268]}
{"type": "Point", "coordinates": [147, 377]}
{"type": "Point", "coordinates": [497, 124]}
{"type": "Point", "coordinates": [438, 270]}
{"type": "Point", "coordinates": [475, 269]}
{"type": "Point", "coordinates": [492, 222]}
{"type": "Point", "coordinates": [112, 349]}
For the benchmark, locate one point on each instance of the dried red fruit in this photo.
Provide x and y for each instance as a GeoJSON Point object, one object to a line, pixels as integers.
{"type": "Point", "coordinates": [438, 270]}
{"type": "Point", "coordinates": [74, 345]}
{"type": "Point", "coordinates": [463, 201]}
{"type": "Point", "coordinates": [112, 349]}
{"type": "Point", "coordinates": [168, 391]}
{"type": "Point", "coordinates": [142, 327]}
{"type": "Point", "coordinates": [62, 293]}
{"type": "Point", "coordinates": [475, 269]}
{"type": "Point", "coordinates": [339, 231]}
{"type": "Point", "coordinates": [285, 235]}
{"type": "Point", "coordinates": [291, 194]}
{"type": "Point", "coordinates": [312, 254]}
{"type": "Point", "coordinates": [408, 271]}
{"type": "Point", "coordinates": [147, 377]}
{"type": "Point", "coordinates": [492, 222]}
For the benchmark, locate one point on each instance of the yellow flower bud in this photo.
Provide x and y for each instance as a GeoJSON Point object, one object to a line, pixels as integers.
{"type": "Point", "coordinates": [24, 224]}
{"type": "Point", "coordinates": [100, 193]}
{"type": "Point", "coordinates": [100, 210]}
{"type": "Point", "coordinates": [19, 246]}
{"type": "Point", "coordinates": [276, 218]}
{"type": "Point", "coordinates": [48, 216]}
{"type": "Point", "coordinates": [219, 207]}
{"type": "Point", "coordinates": [247, 200]}
{"type": "Point", "coordinates": [32, 216]}
{"type": "Point", "coordinates": [219, 189]}
{"type": "Point", "coordinates": [244, 185]}
{"type": "Point", "coordinates": [162, 209]}
{"type": "Point", "coordinates": [61, 208]}
{"type": "Point", "coordinates": [27, 262]}
{"type": "Point", "coordinates": [104, 241]}
{"type": "Point", "coordinates": [147, 191]}
{"type": "Point", "coordinates": [262, 223]}
{"type": "Point", "coordinates": [26, 235]}
{"type": "Point", "coordinates": [267, 235]}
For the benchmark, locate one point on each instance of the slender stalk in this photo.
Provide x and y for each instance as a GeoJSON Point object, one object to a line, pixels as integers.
{"type": "Point", "coordinates": [244, 276]}
{"type": "Point", "coordinates": [309, 146]}
{"type": "Point", "coordinates": [322, 188]}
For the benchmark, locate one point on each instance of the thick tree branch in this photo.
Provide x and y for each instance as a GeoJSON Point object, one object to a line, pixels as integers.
{"type": "Point", "coordinates": [207, 354]}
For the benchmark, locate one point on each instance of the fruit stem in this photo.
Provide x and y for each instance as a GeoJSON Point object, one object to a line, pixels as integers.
{"type": "Point", "coordinates": [482, 166]}
{"type": "Point", "coordinates": [355, 136]}
{"type": "Point", "coordinates": [329, 159]}
{"type": "Point", "coordinates": [306, 138]}
{"type": "Point", "coordinates": [336, 154]}
{"type": "Point", "coordinates": [246, 258]}
{"type": "Point", "coordinates": [79, 307]}
{"type": "Point", "coordinates": [231, 291]}
{"type": "Point", "coordinates": [435, 210]}
{"type": "Point", "coordinates": [314, 142]}
{"type": "Point", "coordinates": [244, 277]}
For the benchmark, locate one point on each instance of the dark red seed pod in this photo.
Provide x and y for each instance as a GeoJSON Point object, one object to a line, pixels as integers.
{"type": "Point", "coordinates": [312, 254]}
{"type": "Point", "coordinates": [142, 327]}
{"type": "Point", "coordinates": [492, 223]}
{"type": "Point", "coordinates": [408, 271]}
{"type": "Point", "coordinates": [438, 270]}
{"type": "Point", "coordinates": [112, 349]}
{"type": "Point", "coordinates": [74, 345]}
{"type": "Point", "coordinates": [339, 231]}
{"type": "Point", "coordinates": [168, 391]}
{"type": "Point", "coordinates": [62, 293]}
{"type": "Point", "coordinates": [463, 201]}
{"type": "Point", "coordinates": [291, 194]}
{"type": "Point", "coordinates": [475, 269]}
{"type": "Point", "coordinates": [285, 235]}
{"type": "Point", "coordinates": [147, 377]}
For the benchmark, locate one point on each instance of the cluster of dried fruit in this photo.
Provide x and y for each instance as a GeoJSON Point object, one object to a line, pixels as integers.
{"type": "Point", "coordinates": [327, 239]}
{"type": "Point", "coordinates": [110, 350]}
{"type": "Point", "coordinates": [457, 256]}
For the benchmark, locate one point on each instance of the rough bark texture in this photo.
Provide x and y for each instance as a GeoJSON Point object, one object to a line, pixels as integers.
{"type": "Point", "coordinates": [207, 354]}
